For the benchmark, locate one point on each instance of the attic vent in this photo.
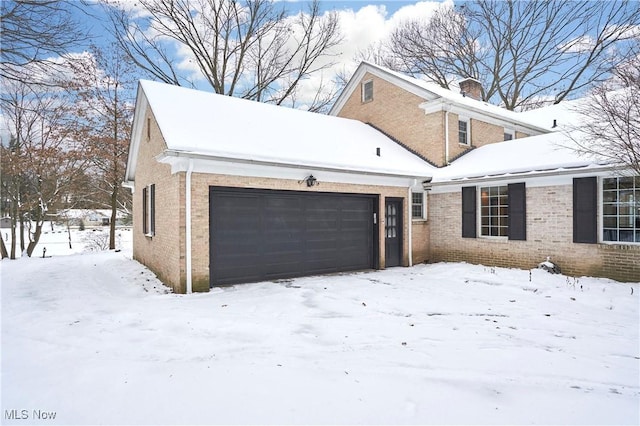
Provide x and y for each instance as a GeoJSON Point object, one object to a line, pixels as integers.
{"type": "Point", "coordinates": [378, 152]}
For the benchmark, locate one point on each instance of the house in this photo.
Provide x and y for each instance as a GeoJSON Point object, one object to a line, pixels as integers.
{"type": "Point", "coordinates": [5, 222]}
{"type": "Point", "coordinates": [513, 190]}
{"type": "Point", "coordinates": [90, 217]}
{"type": "Point", "coordinates": [437, 124]}
{"type": "Point", "coordinates": [227, 190]}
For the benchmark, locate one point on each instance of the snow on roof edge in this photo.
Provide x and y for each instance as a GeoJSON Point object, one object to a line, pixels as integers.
{"type": "Point", "coordinates": [354, 147]}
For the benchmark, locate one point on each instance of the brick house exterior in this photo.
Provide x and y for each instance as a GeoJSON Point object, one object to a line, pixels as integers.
{"type": "Point", "coordinates": [549, 229]}
{"type": "Point", "coordinates": [182, 180]}
{"type": "Point", "coordinates": [417, 114]}
{"type": "Point", "coordinates": [425, 117]}
{"type": "Point", "coordinates": [557, 207]}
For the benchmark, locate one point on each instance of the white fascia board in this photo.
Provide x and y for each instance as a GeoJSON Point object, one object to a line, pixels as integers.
{"type": "Point", "coordinates": [234, 167]}
{"type": "Point", "coordinates": [442, 104]}
{"type": "Point", "coordinates": [136, 134]}
{"type": "Point", "coordinates": [532, 179]}
{"type": "Point", "coordinates": [347, 91]}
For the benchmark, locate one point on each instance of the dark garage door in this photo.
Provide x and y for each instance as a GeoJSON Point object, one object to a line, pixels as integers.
{"type": "Point", "coordinates": [261, 235]}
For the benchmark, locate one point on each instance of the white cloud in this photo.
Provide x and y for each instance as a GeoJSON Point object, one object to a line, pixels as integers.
{"type": "Point", "coordinates": [361, 28]}
{"type": "Point", "coordinates": [623, 31]}
{"type": "Point", "coordinates": [579, 44]}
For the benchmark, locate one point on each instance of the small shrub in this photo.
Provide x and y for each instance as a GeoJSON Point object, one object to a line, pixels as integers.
{"type": "Point", "coordinates": [96, 241]}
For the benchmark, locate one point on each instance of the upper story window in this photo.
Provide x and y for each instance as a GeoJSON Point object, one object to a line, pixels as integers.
{"type": "Point", "coordinates": [463, 131]}
{"type": "Point", "coordinates": [367, 91]}
{"type": "Point", "coordinates": [494, 211]}
{"type": "Point", "coordinates": [417, 205]}
{"type": "Point", "coordinates": [621, 209]}
{"type": "Point", "coordinates": [509, 134]}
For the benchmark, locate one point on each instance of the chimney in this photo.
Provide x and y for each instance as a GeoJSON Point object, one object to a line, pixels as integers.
{"type": "Point", "coordinates": [471, 87]}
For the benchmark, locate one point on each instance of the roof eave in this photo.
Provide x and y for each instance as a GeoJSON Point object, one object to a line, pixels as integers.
{"type": "Point", "coordinates": [170, 156]}
{"type": "Point", "coordinates": [366, 67]}
{"type": "Point", "coordinates": [560, 171]}
{"type": "Point", "coordinates": [443, 104]}
{"type": "Point", "coordinates": [136, 133]}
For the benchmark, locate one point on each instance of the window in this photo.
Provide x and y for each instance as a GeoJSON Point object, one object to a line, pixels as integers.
{"type": "Point", "coordinates": [391, 221]}
{"type": "Point", "coordinates": [503, 211]}
{"type": "Point", "coordinates": [149, 210]}
{"type": "Point", "coordinates": [367, 91]}
{"type": "Point", "coordinates": [417, 205]}
{"type": "Point", "coordinates": [621, 209]}
{"type": "Point", "coordinates": [463, 131]}
{"type": "Point", "coordinates": [508, 134]}
{"type": "Point", "coordinates": [494, 211]}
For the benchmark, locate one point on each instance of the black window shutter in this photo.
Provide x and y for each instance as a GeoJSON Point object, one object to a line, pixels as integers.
{"type": "Point", "coordinates": [585, 210]}
{"type": "Point", "coordinates": [153, 209]}
{"type": "Point", "coordinates": [517, 211]}
{"type": "Point", "coordinates": [469, 212]}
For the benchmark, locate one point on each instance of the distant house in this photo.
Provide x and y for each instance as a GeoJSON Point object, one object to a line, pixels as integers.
{"type": "Point", "coordinates": [229, 191]}
{"type": "Point", "coordinates": [89, 217]}
{"type": "Point", "coordinates": [5, 222]}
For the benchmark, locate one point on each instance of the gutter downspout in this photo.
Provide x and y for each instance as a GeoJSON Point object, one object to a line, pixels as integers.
{"type": "Point", "coordinates": [410, 225]}
{"type": "Point", "coordinates": [446, 137]}
{"type": "Point", "coordinates": [188, 227]}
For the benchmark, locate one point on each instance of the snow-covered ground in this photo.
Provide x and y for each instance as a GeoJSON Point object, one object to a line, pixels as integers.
{"type": "Point", "coordinates": [95, 338]}
{"type": "Point", "coordinates": [58, 240]}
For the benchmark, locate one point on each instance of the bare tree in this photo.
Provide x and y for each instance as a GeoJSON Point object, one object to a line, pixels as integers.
{"type": "Point", "coordinates": [520, 50]}
{"type": "Point", "coordinates": [42, 160]}
{"type": "Point", "coordinates": [250, 49]}
{"type": "Point", "coordinates": [106, 85]}
{"type": "Point", "coordinates": [442, 48]}
{"type": "Point", "coordinates": [609, 129]}
{"type": "Point", "coordinates": [34, 32]}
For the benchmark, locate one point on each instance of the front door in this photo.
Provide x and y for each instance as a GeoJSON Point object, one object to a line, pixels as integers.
{"type": "Point", "coordinates": [393, 232]}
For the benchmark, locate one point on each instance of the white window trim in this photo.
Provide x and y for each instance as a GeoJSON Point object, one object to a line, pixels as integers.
{"type": "Point", "coordinates": [424, 206]}
{"type": "Point", "coordinates": [600, 221]}
{"type": "Point", "coordinates": [468, 121]}
{"type": "Point", "coordinates": [362, 90]}
{"type": "Point", "coordinates": [150, 208]}
{"type": "Point", "coordinates": [511, 132]}
{"type": "Point", "coordinates": [479, 215]}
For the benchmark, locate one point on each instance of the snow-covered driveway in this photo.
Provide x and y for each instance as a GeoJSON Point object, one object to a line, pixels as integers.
{"type": "Point", "coordinates": [94, 339]}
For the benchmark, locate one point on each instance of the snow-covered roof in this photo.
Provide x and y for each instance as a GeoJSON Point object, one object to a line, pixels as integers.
{"type": "Point", "coordinates": [563, 115]}
{"type": "Point", "coordinates": [194, 122]}
{"type": "Point", "coordinates": [532, 155]}
{"type": "Point", "coordinates": [435, 95]}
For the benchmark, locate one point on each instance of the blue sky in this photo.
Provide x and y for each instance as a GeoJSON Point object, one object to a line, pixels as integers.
{"type": "Point", "coordinates": [390, 6]}
{"type": "Point", "coordinates": [362, 23]}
